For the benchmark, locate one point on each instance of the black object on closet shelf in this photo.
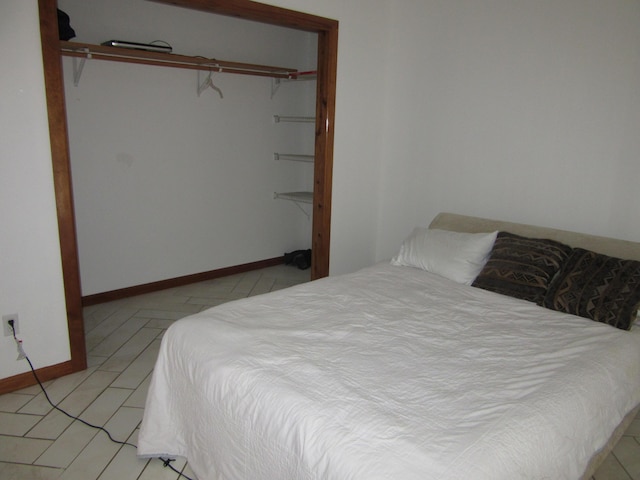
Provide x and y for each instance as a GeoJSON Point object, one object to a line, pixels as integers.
{"type": "Point", "coordinates": [299, 258]}
{"type": "Point", "coordinates": [64, 26]}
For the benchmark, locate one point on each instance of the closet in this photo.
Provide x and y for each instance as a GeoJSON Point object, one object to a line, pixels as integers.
{"type": "Point", "coordinates": [171, 153]}
{"type": "Point", "coordinates": [327, 37]}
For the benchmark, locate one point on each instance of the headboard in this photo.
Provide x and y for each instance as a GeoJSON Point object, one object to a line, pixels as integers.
{"type": "Point", "coordinates": [608, 246]}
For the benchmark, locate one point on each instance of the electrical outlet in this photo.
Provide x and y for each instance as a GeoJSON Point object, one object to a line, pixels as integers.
{"type": "Point", "coordinates": [7, 328]}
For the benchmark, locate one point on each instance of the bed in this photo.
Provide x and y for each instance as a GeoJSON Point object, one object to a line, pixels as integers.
{"type": "Point", "coordinates": [405, 370]}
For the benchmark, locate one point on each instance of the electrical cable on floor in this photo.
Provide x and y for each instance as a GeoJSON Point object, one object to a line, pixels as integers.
{"type": "Point", "coordinates": [22, 355]}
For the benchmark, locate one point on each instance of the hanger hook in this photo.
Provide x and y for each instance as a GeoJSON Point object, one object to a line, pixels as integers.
{"type": "Point", "coordinates": [212, 85]}
{"type": "Point", "coordinates": [208, 83]}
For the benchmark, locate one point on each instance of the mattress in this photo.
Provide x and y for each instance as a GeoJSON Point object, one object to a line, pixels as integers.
{"type": "Point", "coordinates": [388, 373]}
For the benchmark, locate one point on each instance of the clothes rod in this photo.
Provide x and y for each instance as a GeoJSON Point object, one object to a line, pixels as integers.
{"type": "Point", "coordinates": [102, 52]}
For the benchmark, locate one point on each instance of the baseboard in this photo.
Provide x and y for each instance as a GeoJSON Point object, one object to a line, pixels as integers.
{"type": "Point", "coordinates": [177, 282]}
{"type": "Point", "coordinates": [24, 380]}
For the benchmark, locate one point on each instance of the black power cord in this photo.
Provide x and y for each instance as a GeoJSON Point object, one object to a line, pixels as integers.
{"type": "Point", "coordinates": [22, 355]}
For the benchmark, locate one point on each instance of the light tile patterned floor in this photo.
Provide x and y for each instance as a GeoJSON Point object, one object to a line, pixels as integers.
{"type": "Point", "coordinates": [123, 337]}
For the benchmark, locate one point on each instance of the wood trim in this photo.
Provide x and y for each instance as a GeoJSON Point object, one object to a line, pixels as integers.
{"type": "Point", "coordinates": [325, 129]}
{"type": "Point", "coordinates": [259, 12]}
{"type": "Point", "coordinates": [24, 380]}
{"type": "Point", "coordinates": [56, 110]}
{"type": "Point", "coordinates": [178, 281]}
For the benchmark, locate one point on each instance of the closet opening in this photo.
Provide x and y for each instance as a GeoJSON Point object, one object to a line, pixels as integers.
{"type": "Point", "coordinates": [320, 200]}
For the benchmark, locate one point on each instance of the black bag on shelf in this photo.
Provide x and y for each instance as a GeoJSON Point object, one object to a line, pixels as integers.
{"type": "Point", "coordinates": [64, 26]}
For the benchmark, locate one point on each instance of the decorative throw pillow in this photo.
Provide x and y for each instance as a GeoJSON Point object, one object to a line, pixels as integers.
{"type": "Point", "coordinates": [455, 255]}
{"type": "Point", "coordinates": [522, 267]}
{"type": "Point", "coordinates": [596, 286]}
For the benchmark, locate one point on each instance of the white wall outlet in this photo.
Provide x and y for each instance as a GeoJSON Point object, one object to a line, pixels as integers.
{"type": "Point", "coordinates": [5, 324]}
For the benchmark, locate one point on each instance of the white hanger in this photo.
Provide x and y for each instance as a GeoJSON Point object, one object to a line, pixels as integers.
{"type": "Point", "coordinates": [207, 83]}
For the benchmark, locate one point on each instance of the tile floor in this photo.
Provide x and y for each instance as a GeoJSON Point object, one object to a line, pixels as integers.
{"type": "Point", "coordinates": [39, 443]}
{"type": "Point", "coordinates": [122, 337]}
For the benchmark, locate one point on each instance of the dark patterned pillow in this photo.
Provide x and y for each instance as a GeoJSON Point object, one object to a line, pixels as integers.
{"type": "Point", "coordinates": [522, 267]}
{"type": "Point", "coordinates": [602, 288]}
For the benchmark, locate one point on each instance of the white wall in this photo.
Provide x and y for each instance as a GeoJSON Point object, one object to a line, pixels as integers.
{"type": "Point", "coordinates": [30, 270]}
{"type": "Point", "coordinates": [168, 183]}
{"type": "Point", "coordinates": [517, 110]}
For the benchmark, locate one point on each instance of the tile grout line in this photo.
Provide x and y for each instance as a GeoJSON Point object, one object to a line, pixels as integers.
{"type": "Point", "coordinates": [80, 421]}
{"type": "Point", "coordinates": [114, 331]}
{"type": "Point", "coordinates": [97, 430]}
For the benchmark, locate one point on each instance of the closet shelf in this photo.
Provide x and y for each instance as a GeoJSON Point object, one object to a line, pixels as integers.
{"type": "Point", "coordinates": [294, 157]}
{"type": "Point", "coordinates": [298, 197]}
{"type": "Point", "coordinates": [296, 77]}
{"type": "Point", "coordinates": [116, 54]}
{"type": "Point", "coordinates": [283, 118]}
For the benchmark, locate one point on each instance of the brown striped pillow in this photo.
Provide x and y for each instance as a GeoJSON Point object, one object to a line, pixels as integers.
{"type": "Point", "coordinates": [522, 267]}
{"type": "Point", "coordinates": [596, 286]}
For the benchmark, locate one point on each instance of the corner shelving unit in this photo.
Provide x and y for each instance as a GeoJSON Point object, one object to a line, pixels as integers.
{"type": "Point", "coordinates": [298, 198]}
{"type": "Point", "coordinates": [295, 197]}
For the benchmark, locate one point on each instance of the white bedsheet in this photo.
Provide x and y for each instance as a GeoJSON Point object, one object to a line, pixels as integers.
{"type": "Point", "coordinates": [388, 373]}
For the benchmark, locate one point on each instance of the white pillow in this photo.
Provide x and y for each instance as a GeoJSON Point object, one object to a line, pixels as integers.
{"type": "Point", "coordinates": [454, 255]}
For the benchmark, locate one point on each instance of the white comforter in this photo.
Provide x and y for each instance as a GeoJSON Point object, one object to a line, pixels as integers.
{"type": "Point", "coordinates": [388, 373]}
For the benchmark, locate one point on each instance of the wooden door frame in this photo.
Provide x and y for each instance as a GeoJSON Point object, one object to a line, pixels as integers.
{"type": "Point", "coordinates": [327, 31]}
